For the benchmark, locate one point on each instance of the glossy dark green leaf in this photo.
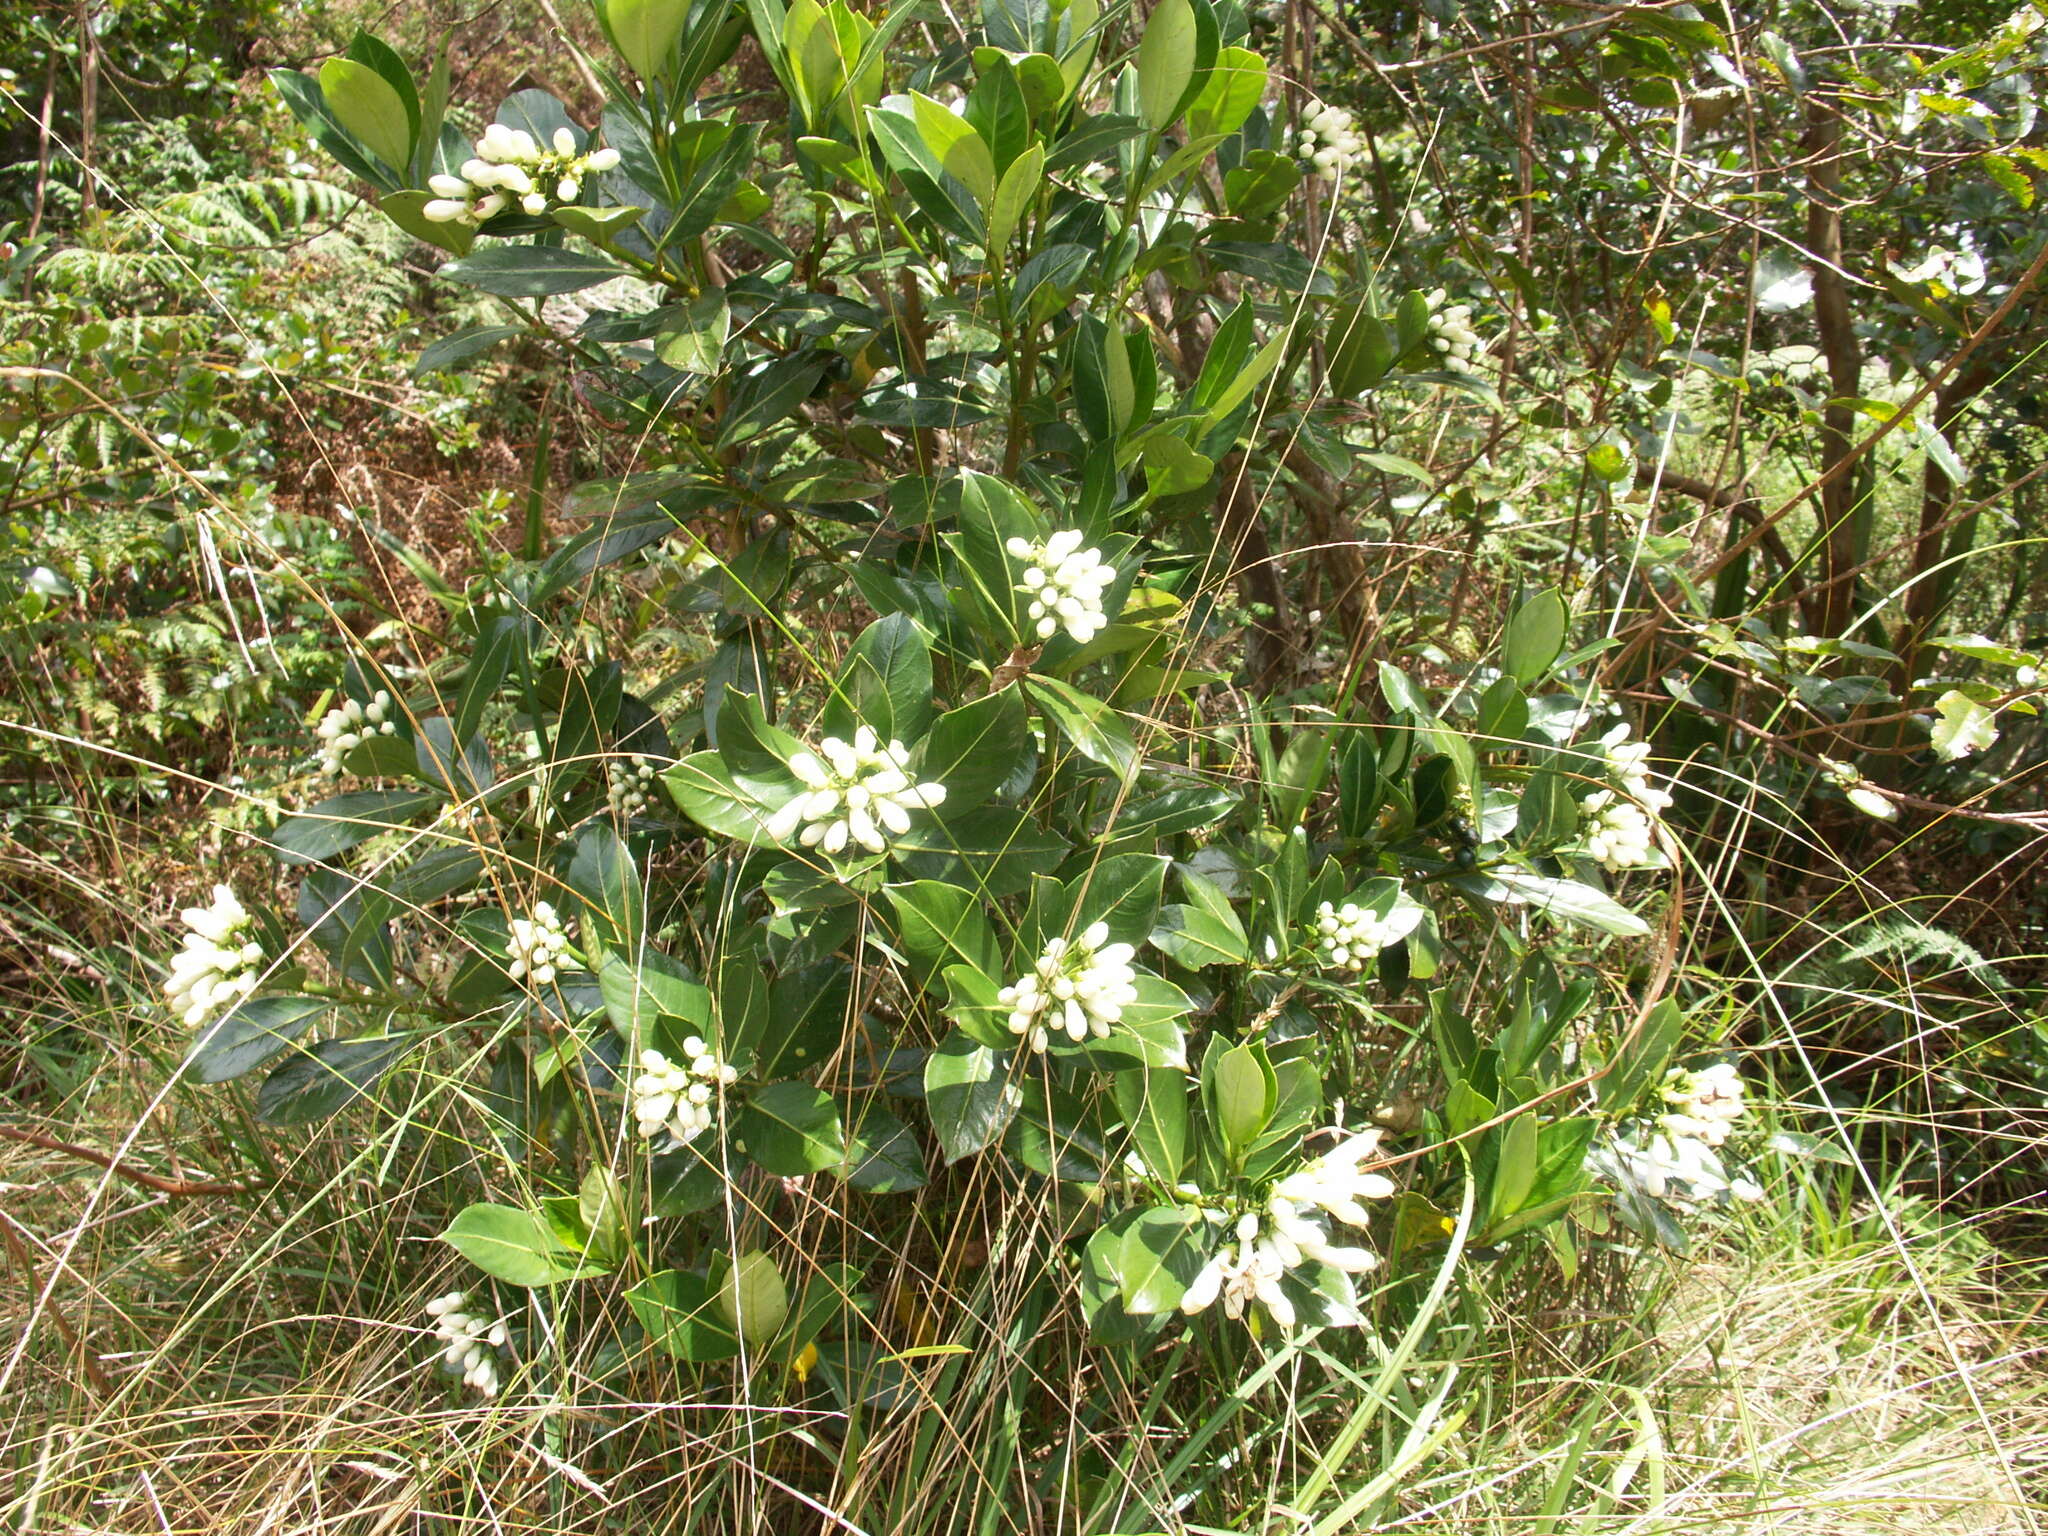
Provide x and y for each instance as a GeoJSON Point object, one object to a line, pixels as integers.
{"type": "Point", "coordinates": [532, 271]}
{"type": "Point", "coordinates": [968, 1095]}
{"type": "Point", "coordinates": [1090, 726]}
{"type": "Point", "coordinates": [338, 824]}
{"type": "Point", "coordinates": [973, 749]}
{"type": "Point", "coordinates": [315, 1083]}
{"type": "Point", "coordinates": [250, 1034]}
{"type": "Point", "coordinates": [790, 1129]}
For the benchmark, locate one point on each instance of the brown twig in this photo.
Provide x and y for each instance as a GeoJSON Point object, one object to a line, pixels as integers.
{"type": "Point", "coordinates": [114, 1165]}
{"type": "Point", "coordinates": [25, 1262]}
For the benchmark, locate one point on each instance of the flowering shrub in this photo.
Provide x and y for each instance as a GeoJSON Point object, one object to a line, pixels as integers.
{"type": "Point", "coordinates": [987, 885]}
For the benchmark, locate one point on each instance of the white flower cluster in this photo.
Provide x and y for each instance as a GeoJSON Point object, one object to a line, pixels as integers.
{"type": "Point", "coordinates": [1082, 987]}
{"type": "Point", "coordinates": [1451, 335]}
{"type": "Point", "coordinates": [470, 1341]}
{"type": "Point", "coordinates": [854, 792]}
{"type": "Point", "coordinates": [1327, 141]}
{"type": "Point", "coordinates": [1674, 1167]}
{"type": "Point", "coordinates": [220, 962]}
{"type": "Point", "coordinates": [1618, 829]}
{"type": "Point", "coordinates": [1615, 833]}
{"type": "Point", "coordinates": [537, 944]}
{"type": "Point", "coordinates": [679, 1099]}
{"type": "Point", "coordinates": [1348, 938]}
{"type": "Point", "coordinates": [348, 726]}
{"type": "Point", "coordinates": [1285, 1234]}
{"type": "Point", "coordinates": [1065, 584]}
{"type": "Point", "coordinates": [630, 788]}
{"type": "Point", "coordinates": [1704, 1104]}
{"type": "Point", "coordinates": [1629, 762]}
{"type": "Point", "coordinates": [511, 166]}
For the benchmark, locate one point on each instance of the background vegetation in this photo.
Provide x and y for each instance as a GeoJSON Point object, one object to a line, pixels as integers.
{"type": "Point", "coordinates": [1757, 317]}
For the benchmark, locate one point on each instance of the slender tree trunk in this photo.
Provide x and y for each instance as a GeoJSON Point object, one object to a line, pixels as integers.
{"type": "Point", "coordinates": [88, 107]}
{"type": "Point", "coordinates": [44, 144]}
{"type": "Point", "coordinates": [1243, 545]}
{"type": "Point", "coordinates": [1840, 545]}
{"type": "Point", "coordinates": [1931, 583]}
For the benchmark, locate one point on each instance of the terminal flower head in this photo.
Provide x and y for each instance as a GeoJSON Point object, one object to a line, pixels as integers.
{"type": "Point", "coordinates": [470, 1343]}
{"type": "Point", "coordinates": [679, 1099]}
{"type": "Point", "coordinates": [1064, 584]}
{"type": "Point", "coordinates": [538, 944]}
{"type": "Point", "coordinates": [855, 793]}
{"type": "Point", "coordinates": [1080, 987]}
{"type": "Point", "coordinates": [220, 962]}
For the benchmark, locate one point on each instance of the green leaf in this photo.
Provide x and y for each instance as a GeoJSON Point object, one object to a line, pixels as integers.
{"type": "Point", "coordinates": [1196, 936]}
{"type": "Point", "coordinates": [1639, 1060]}
{"type": "Point", "coordinates": [1610, 462]}
{"type": "Point", "coordinates": [974, 1003]}
{"type": "Point", "coordinates": [318, 1082]}
{"type": "Point", "coordinates": [1547, 814]}
{"type": "Point", "coordinates": [1122, 892]}
{"type": "Point", "coordinates": [886, 682]}
{"type": "Point", "coordinates": [703, 789]}
{"type": "Point", "coordinates": [597, 224]}
{"type": "Point", "coordinates": [250, 1034]}
{"type": "Point", "coordinates": [1359, 788]}
{"type": "Point", "coordinates": [1227, 97]}
{"type": "Point", "coordinates": [1019, 188]}
{"type": "Point", "coordinates": [339, 823]}
{"type": "Point", "coordinates": [1168, 812]}
{"type": "Point", "coordinates": [753, 1298]}
{"type": "Point", "coordinates": [898, 136]}
{"type": "Point", "coordinates": [1361, 353]}
{"type": "Point", "coordinates": [1570, 901]}
{"type": "Point", "coordinates": [1535, 636]}
{"type": "Point", "coordinates": [940, 925]}
{"type": "Point", "coordinates": [791, 1129]}
{"type": "Point", "coordinates": [969, 1095]}
{"type": "Point", "coordinates": [513, 1244]}
{"type": "Point", "coordinates": [500, 646]}
{"type": "Point", "coordinates": [681, 1316]}
{"type": "Point", "coordinates": [1247, 378]}
{"type": "Point", "coordinates": [1964, 726]}
{"type": "Point", "coordinates": [645, 31]}
{"type": "Point", "coordinates": [614, 536]}
{"type": "Point", "coordinates": [643, 994]}
{"type": "Point", "coordinates": [951, 142]}
{"type": "Point", "coordinates": [1055, 1134]}
{"type": "Point", "coordinates": [461, 346]}
{"type": "Point", "coordinates": [1166, 62]}
{"type": "Point", "coordinates": [882, 1156]}
{"type": "Point", "coordinates": [1172, 468]}
{"type": "Point", "coordinates": [766, 395]}
{"type": "Point", "coordinates": [806, 1015]}
{"type": "Point", "coordinates": [532, 271]}
{"type": "Point", "coordinates": [1162, 1251]}
{"type": "Point", "coordinates": [992, 852]}
{"type": "Point", "coordinates": [692, 339]}
{"type": "Point", "coordinates": [408, 210]}
{"type": "Point", "coordinates": [601, 872]}
{"type": "Point", "coordinates": [1093, 728]}
{"type": "Point", "coordinates": [1514, 1172]}
{"type": "Point", "coordinates": [1149, 1034]}
{"type": "Point", "coordinates": [364, 103]}
{"type": "Point", "coordinates": [1242, 1093]}
{"type": "Point", "coordinates": [1154, 1106]}
{"type": "Point", "coordinates": [974, 749]}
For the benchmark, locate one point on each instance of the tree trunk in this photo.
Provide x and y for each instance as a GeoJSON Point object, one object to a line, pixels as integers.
{"type": "Point", "coordinates": [1840, 545]}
